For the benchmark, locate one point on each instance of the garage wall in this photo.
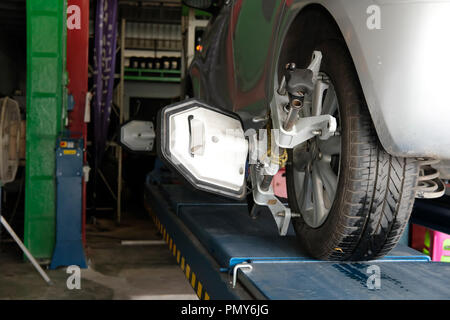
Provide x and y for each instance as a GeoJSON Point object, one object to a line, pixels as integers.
{"type": "Point", "coordinates": [12, 65]}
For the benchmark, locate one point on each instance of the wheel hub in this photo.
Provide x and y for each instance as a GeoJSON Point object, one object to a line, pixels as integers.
{"type": "Point", "coordinates": [315, 174]}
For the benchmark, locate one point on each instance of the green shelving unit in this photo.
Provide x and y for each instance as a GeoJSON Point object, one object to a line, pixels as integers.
{"type": "Point", "coordinates": [46, 54]}
{"type": "Point", "coordinates": [157, 75]}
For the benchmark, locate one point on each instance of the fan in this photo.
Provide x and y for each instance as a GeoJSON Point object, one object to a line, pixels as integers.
{"type": "Point", "coordinates": [9, 162]}
{"type": "Point", "coordinates": [9, 138]}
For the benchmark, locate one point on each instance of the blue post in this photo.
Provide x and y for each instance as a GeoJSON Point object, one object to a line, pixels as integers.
{"type": "Point", "coordinates": [69, 171]}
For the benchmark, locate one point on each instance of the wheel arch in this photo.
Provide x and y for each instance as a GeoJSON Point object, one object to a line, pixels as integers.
{"type": "Point", "coordinates": [319, 25]}
{"type": "Point", "coordinates": [311, 18]}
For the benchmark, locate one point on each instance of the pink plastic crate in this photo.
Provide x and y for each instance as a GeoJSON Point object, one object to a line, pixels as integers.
{"type": "Point", "coordinates": [433, 243]}
{"type": "Point", "coordinates": [279, 184]}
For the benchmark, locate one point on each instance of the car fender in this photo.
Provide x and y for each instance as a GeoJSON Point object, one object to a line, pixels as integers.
{"type": "Point", "coordinates": [403, 66]}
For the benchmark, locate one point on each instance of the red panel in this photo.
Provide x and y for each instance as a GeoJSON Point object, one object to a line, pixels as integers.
{"type": "Point", "coordinates": [77, 59]}
{"type": "Point", "coordinates": [77, 68]}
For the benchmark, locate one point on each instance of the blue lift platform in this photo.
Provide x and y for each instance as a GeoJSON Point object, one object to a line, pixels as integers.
{"type": "Point", "coordinates": [213, 238]}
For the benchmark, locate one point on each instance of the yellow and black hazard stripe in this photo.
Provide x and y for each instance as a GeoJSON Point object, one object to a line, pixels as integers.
{"type": "Point", "coordinates": [191, 276]}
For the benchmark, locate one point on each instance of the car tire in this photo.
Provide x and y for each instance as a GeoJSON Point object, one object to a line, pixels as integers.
{"type": "Point", "coordinates": [375, 191]}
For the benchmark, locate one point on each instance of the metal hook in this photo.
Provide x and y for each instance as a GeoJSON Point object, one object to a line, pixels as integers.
{"type": "Point", "coordinates": [244, 265]}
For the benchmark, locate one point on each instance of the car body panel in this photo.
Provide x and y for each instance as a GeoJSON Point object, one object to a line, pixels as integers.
{"type": "Point", "coordinates": [403, 66]}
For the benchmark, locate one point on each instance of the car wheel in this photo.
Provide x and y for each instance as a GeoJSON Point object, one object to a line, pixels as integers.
{"type": "Point", "coordinates": [354, 199]}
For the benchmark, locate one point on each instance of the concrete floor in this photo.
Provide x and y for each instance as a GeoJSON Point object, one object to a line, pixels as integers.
{"type": "Point", "coordinates": [116, 271]}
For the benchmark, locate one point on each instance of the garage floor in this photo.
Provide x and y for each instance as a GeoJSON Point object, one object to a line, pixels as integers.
{"type": "Point", "coordinates": [115, 271]}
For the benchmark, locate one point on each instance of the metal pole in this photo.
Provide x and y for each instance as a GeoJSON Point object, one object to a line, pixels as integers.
{"type": "Point", "coordinates": [121, 102]}
{"type": "Point", "coordinates": [107, 184]}
{"type": "Point", "coordinates": [294, 108]}
{"type": "Point", "coordinates": [25, 250]}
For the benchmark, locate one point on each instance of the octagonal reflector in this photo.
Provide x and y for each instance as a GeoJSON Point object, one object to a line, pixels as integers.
{"type": "Point", "coordinates": [206, 145]}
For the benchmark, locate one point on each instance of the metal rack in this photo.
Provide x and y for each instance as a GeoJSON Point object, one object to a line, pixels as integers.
{"type": "Point", "coordinates": [150, 30]}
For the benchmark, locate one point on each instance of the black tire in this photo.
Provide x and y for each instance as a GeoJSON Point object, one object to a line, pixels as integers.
{"type": "Point", "coordinates": [375, 191]}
